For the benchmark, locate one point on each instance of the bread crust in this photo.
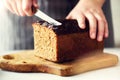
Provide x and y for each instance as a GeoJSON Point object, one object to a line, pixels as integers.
{"type": "Point", "coordinates": [64, 43]}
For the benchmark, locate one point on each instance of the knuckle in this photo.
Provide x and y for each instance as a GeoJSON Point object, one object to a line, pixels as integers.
{"type": "Point", "coordinates": [100, 19]}
{"type": "Point", "coordinates": [106, 23]}
{"type": "Point", "coordinates": [93, 29]}
{"type": "Point", "coordinates": [22, 14]}
{"type": "Point", "coordinates": [26, 9]}
{"type": "Point", "coordinates": [101, 32]}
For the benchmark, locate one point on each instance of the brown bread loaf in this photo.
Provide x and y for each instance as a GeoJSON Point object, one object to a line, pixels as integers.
{"type": "Point", "coordinates": [63, 43]}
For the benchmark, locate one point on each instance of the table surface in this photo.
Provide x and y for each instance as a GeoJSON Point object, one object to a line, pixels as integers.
{"type": "Point", "coordinates": [111, 73]}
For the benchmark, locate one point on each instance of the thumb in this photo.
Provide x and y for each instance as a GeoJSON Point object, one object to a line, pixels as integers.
{"type": "Point", "coordinates": [68, 16]}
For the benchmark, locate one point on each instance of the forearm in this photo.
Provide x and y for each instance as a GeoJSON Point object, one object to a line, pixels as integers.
{"type": "Point", "coordinates": [98, 2]}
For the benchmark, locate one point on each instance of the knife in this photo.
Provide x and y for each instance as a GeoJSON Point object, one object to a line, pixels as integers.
{"type": "Point", "coordinates": [45, 17]}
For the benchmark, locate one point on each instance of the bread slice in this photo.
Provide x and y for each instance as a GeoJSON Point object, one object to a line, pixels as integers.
{"type": "Point", "coordinates": [26, 61]}
{"type": "Point", "coordinates": [63, 43]}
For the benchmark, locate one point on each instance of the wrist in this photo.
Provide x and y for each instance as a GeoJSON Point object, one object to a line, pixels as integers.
{"type": "Point", "coordinates": [98, 2]}
{"type": "Point", "coordinates": [101, 2]}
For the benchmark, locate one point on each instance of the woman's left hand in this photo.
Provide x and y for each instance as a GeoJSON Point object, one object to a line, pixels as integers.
{"type": "Point", "coordinates": [92, 11]}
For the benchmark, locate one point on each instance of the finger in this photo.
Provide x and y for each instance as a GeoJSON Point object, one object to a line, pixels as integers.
{"type": "Point", "coordinates": [35, 3]}
{"type": "Point", "coordinates": [26, 5]}
{"type": "Point", "coordinates": [101, 29]}
{"type": "Point", "coordinates": [102, 25]}
{"type": "Point", "coordinates": [81, 21]}
{"type": "Point", "coordinates": [92, 24]}
{"type": "Point", "coordinates": [19, 7]}
{"type": "Point", "coordinates": [106, 30]}
{"type": "Point", "coordinates": [14, 6]}
{"type": "Point", "coordinates": [106, 33]}
{"type": "Point", "coordinates": [8, 6]}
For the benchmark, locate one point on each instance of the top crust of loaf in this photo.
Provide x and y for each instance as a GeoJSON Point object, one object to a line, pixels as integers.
{"type": "Point", "coordinates": [67, 27]}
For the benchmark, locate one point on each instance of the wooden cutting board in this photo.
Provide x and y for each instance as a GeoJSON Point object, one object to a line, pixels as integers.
{"type": "Point", "coordinates": [25, 61]}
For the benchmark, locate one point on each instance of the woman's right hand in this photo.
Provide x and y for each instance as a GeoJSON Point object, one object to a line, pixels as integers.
{"type": "Point", "coordinates": [21, 7]}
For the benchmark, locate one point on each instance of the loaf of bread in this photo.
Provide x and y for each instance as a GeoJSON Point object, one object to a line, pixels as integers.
{"type": "Point", "coordinates": [60, 44]}
{"type": "Point", "coordinates": [26, 61]}
{"type": "Point", "coordinates": [63, 43]}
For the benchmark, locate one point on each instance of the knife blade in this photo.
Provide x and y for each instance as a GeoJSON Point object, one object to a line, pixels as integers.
{"type": "Point", "coordinates": [45, 17]}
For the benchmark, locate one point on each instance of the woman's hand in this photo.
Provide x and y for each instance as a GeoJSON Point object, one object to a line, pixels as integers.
{"type": "Point", "coordinates": [21, 7]}
{"type": "Point", "coordinates": [92, 11]}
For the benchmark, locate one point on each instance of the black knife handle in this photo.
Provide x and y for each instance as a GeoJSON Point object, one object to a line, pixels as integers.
{"type": "Point", "coordinates": [34, 10]}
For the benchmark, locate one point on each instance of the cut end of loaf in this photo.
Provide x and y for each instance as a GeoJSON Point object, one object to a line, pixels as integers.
{"type": "Point", "coordinates": [45, 42]}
